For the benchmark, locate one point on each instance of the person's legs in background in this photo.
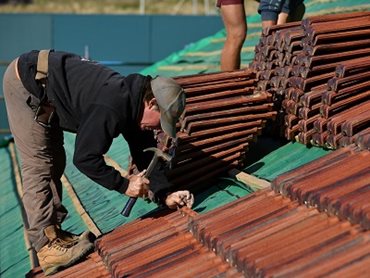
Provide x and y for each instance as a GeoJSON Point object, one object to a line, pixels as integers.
{"type": "Point", "coordinates": [278, 12]}
{"type": "Point", "coordinates": [234, 18]}
{"type": "Point", "coordinates": [269, 11]}
{"type": "Point", "coordinates": [294, 11]}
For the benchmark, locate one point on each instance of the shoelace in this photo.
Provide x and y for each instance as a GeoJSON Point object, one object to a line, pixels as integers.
{"type": "Point", "coordinates": [60, 244]}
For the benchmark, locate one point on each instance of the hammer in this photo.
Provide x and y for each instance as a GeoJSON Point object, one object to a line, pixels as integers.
{"type": "Point", "coordinates": [157, 153]}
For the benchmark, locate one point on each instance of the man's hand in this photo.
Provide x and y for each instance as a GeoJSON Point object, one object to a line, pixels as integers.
{"type": "Point", "coordinates": [138, 186]}
{"type": "Point", "coordinates": [179, 199]}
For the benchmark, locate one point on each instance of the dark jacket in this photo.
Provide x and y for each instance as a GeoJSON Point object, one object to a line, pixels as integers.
{"type": "Point", "coordinates": [96, 103]}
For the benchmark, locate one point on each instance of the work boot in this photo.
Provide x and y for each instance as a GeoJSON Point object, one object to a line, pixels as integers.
{"type": "Point", "coordinates": [69, 237]}
{"type": "Point", "coordinates": [59, 254]}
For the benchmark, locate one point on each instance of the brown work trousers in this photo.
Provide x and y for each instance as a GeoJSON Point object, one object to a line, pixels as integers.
{"type": "Point", "coordinates": [42, 158]}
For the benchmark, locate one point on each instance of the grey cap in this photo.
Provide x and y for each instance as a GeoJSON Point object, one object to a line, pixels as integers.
{"type": "Point", "coordinates": [170, 98]}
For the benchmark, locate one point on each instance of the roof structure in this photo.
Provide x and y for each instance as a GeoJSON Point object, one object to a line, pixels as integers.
{"type": "Point", "coordinates": [199, 240]}
{"type": "Point", "coordinates": [287, 230]}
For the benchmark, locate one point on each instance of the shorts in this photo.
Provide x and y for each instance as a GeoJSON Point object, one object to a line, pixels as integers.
{"type": "Point", "coordinates": [270, 9]}
{"type": "Point", "coordinates": [229, 2]}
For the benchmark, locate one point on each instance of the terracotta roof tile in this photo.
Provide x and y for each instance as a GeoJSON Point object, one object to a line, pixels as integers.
{"type": "Point", "coordinates": [263, 234]}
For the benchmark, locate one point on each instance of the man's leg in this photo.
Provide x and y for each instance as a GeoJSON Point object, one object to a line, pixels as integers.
{"type": "Point", "coordinates": [43, 160]}
{"type": "Point", "coordinates": [41, 195]}
{"type": "Point", "coordinates": [233, 16]}
{"type": "Point", "coordinates": [292, 10]}
{"type": "Point", "coordinates": [270, 10]}
{"type": "Point", "coordinates": [59, 163]}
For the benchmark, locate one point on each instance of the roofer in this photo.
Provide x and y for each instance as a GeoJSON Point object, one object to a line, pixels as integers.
{"type": "Point", "coordinates": [47, 93]}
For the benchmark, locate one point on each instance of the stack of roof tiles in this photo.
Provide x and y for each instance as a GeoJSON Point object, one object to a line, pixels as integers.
{"type": "Point", "coordinates": [318, 72]}
{"type": "Point", "coordinates": [338, 184]}
{"type": "Point", "coordinates": [314, 221]}
{"type": "Point", "coordinates": [223, 115]}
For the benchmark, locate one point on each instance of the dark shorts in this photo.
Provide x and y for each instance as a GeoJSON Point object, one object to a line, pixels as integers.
{"type": "Point", "coordinates": [228, 2]}
{"type": "Point", "coordinates": [270, 9]}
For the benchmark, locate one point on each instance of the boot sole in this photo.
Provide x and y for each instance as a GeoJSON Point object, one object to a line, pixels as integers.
{"type": "Point", "coordinates": [55, 269]}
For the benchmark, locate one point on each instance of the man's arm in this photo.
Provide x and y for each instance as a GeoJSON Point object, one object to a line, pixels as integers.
{"type": "Point", "coordinates": [161, 190]}
{"type": "Point", "coordinates": [94, 138]}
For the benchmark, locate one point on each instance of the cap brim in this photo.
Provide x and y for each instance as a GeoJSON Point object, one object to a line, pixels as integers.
{"type": "Point", "coordinates": [168, 124]}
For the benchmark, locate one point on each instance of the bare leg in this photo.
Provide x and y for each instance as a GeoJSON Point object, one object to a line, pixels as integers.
{"type": "Point", "coordinates": [235, 23]}
{"type": "Point", "coordinates": [282, 18]}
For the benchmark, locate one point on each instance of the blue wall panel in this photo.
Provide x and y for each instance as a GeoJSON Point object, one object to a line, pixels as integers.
{"type": "Point", "coordinates": [3, 116]}
{"type": "Point", "coordinates": [117, 38]}
{"type": "Point", "coordinates": [170, 34]}
{"type": "Point", "coordinates": [125, 38]}
{"type": "Point", "coordinates": [20, 33]}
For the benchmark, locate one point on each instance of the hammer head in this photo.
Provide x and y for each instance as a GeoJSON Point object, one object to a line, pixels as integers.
{"type": "Point", "coordinates": [159, 153]}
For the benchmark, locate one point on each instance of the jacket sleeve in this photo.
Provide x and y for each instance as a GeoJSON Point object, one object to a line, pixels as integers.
{"type": "Point", "coordinates": [99, 126]}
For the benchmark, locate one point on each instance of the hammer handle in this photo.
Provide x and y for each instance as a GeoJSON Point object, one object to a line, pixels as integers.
{"type": "Point", "coordinates": [131, 202]}
{"type": "Point", "coordinates": [128, 207]}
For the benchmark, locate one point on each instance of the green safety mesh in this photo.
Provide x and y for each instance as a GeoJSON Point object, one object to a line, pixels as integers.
{"type": "Point", "coordinates": [284, 159]}
{"type": "Point", "coordinates": [224, 191]}
{"type": "Point", "coordinates": [14, 259]}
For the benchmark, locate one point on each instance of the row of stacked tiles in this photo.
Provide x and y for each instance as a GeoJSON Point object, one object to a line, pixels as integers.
{"type": "Point", "coordinates": [222, 116]}
{"type": "Point", "coordinates": [338, 183]}
{"type": "Point", "coordinates": [318, 70]}
{"type": "Point", "coordinates": [263, 234]}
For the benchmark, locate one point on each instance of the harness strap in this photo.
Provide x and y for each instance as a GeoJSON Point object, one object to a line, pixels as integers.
{"type": "Point", "coordinates": [42, 66]}
{"type": "Point", "coordinates": [45, 110]}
